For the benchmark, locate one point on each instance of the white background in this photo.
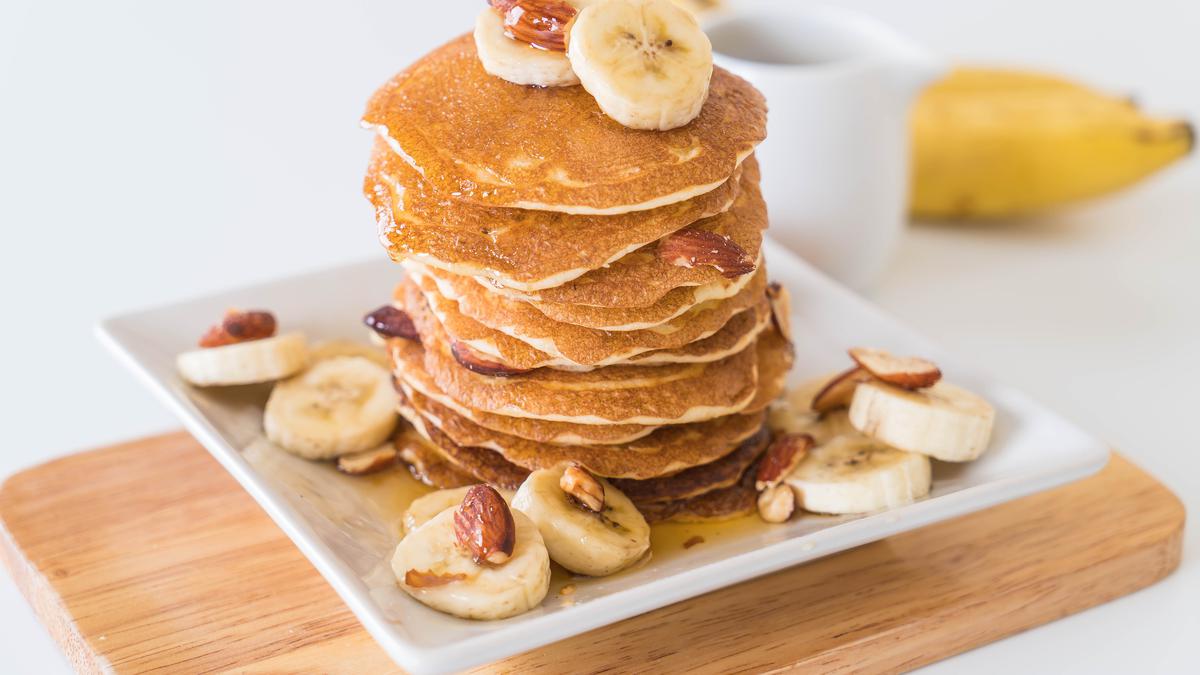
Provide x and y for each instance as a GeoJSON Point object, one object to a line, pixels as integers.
{"type": "Point", "coordinates": [151, 151]}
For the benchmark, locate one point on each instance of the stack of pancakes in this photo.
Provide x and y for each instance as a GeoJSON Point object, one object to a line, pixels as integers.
{"type": "Point", "coordinates": [581, 291]}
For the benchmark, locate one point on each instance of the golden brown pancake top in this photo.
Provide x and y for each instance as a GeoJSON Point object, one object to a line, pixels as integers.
{"type": "Point", "coordinates": [480, 139]}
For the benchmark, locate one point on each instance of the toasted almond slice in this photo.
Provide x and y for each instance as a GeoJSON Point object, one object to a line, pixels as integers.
{"type": "Point", "coordinates": [484, 525]}
{"type": "Point", "coordinates": [839, 391]}
{"type": "Point", "coordinates": [472, 361]}
{"type": "Point", "coordinates": [367, 461]}
{"type": "Point", "coordinates": [690, 247]}
{"type": "Point", "coordinates": [785, 454]}
{"type": "Point", "coordinates": [906, 372]}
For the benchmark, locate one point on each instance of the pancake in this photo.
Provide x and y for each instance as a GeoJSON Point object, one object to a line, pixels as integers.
{"type": "Point", "coordinates": [434, 315]}
{"type": "Point", "coordinates": [494, 243]}
{"type": "Point", "coordinates": [738, 334]}
{"type": "Point", "coordinates": [427, 464]}
{"type": "Point", "coordinates": [674, 304]}
{"type": "Point", "coordinates": [577, 344]}
{"type": "Point", "coordinates": [775, 358]}
{"type": "Point", "coordinates": [486, 466]}
{"type": "Point", "coordinates": [727, 503]}
{"type": "Point", "coordinates": [721, 473]}
{"type": "Point", "coordinates": [641, 278]}
{"type": "Point", "coordinates": [714, 491]}
{"type": "Point", "coordinates": [668, 450]}
{"type": "Point", "coordinates": [409, 360]}
{"type": "Point", "coordinates": [479, 139]}
{"type": "Point", "coordinates": [733, 336]}
{"type": "Point", "coordinates": [665, 394]}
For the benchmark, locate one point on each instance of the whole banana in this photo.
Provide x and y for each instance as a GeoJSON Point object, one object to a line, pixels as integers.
{"type": "Point", "coordinates": [996, 143]}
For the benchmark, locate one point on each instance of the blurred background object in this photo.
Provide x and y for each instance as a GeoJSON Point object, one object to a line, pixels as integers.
{"type": "Point", "coordinates": [836, 162]}
{"type": "Point", "coordinates": [992, 143]}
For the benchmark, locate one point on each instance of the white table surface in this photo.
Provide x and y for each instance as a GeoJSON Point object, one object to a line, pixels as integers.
{"type": "Point", "coordinates": [151, 151]}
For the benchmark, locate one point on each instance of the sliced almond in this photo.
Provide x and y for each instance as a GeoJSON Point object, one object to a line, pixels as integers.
{"type": "Point", "coordinates": [839, 391]}
{"type": "Point", "coordinates": [583, 488]}
{"type": "Point", "coordinates": [781, 309]}
{"type": "Point", "coordinates": [483, 525]}
{"type": "Point", "coordinates": [906, 372]}
{"type": "Point", "coordinates": [777, 503]}
{"type": "Point", "coordinates": [426, 579]}
{"type": "Point", "coordinates": [541, 23]}
{"type": "Point", "coordinates": [690, 247]}
{"type": "Point", "coordinates": [367, 461]}
{"type": "Point", "coordinates": [390, 321]}
{"type": "Point", "coordinates": [784, 454]}
{"type": "Point", "coordinates": [471, 360]}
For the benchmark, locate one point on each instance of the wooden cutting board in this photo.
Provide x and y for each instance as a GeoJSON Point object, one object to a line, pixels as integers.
{"type": "Point", "coordinates": [148, 556]}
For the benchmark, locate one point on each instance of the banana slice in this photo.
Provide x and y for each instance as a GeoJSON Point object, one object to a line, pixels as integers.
{"type": "Point", "coordinates": [646, 62]}
{"type": "Point", "coordinates": [329, 349]}
{"type": "Point", "coordinates": [433, 568]}
{"type": "Point", "coordinates": [943, 421]}
{"type": "Point", "coordinates": [424, 508]}
{"type": "Point", "coordinates": [580, 539]}
{"type": "Point", "coordinates": [851, 473]}
{"type": "Point", "coordinates": [264, 360]}
{"type": "Point", "coordinates": [339, 405]}
{"type": "Point", "coordinates": [516, 61]}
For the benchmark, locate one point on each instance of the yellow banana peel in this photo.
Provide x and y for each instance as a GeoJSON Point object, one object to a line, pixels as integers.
{"type": "Point", "coordinates": [997, 143]}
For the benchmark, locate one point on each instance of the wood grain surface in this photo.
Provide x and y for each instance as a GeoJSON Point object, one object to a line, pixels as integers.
{"type": "Point", "coordinates": [147, 556]}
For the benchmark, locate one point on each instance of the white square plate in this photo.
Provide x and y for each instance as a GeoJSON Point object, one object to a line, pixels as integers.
{"type": "Point", "coordinates": [348, 531]}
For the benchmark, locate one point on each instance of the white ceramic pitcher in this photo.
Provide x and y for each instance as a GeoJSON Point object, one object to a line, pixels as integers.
{"type": "Point", "coordinates": [839, 86]}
